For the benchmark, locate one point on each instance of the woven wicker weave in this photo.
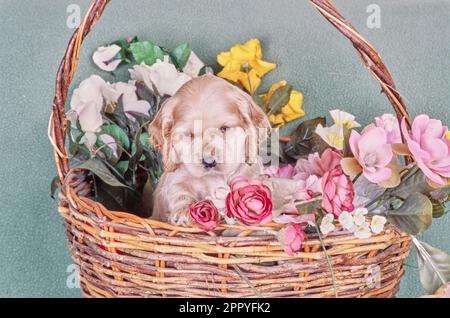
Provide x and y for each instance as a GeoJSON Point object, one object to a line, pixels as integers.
{"type": "Point", "coordinates": [122, 255]}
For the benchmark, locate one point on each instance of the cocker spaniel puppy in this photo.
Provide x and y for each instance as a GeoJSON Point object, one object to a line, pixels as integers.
{"type": "Point", "coordinates": [208, 132]}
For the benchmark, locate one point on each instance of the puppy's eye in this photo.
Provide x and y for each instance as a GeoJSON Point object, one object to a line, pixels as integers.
{"type": "Point", "coordinates": [224, 129]}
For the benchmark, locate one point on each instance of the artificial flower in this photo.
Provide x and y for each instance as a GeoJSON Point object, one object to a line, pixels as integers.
{"type": "Point", "coordinates": [289, 112]}
{"type": "Point", "coordinates": [363, 231]}
{"type": "Point", "coordinates": [110, 142]}
{"type": "Point", "coordinates": [317, 164]}
{"type": "Point", "coordinates": [337, 190]}
{"type": "Point", "coordinates": [430, 148]}
{"type": "Point", "coordinates": [327, 226]}
{"type": "Point", "coordinates": [91, 121]}
{"type": "Point", "coordinates": [193, 65]}
{"type": "Point", "coordinates": [333, 136]}
{"type": "Point", "coordinates": [292, 238]}
{"type": "Point", "coordinates": [104, 57]}
{"type": "Point", "coordinates": [390, 125]}
{"type": "Point", "coordinates": [372, 154]}
{"type": "Point", "coordinates": [162, 76]}
{"type": "Point", "coordinates": [89, 91]}
{"type": "Point", "coordinates": [377, 224]}
{"type": "Point", "coordinates": [249, 201]}
{"type": "Point", "coordinates": [283, 172]}
{"type": "Point", "coordinates": [343, 118]}
{"type": "Point", "coordinates": [346, 220]}
{"type": "Point", "coordinates": [204, 214]}
{"type": "Point", "coordinates": [243, 64]}
{"type": "Point", "coordinates": [131, 104]}
{"type": "Point", "coordinates": [359, 216]}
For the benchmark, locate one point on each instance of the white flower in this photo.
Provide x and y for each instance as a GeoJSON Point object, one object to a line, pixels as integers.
{"type": "Point", "coordinates": [363, 231]}
{"type": "Point", "coordinates": [131, 104]}
{"type": "Point", "coordinates": [90, 90]}
{"type": "Point", "coordinates": [161, 75]}
{"type": "Point", "coordinates": [109, 142]}
{"type": "Point", "coordinates": [327, 225]}
{"type": "Point", "coordinates": [346, 220]}
{"type": "Point", "coordinates": [343, 118]}
{"type": "Point", "coordinates": [359, 216]}
{"type": "Point", "coordinates": [193, 65]}
{"type": "Point", "coordinates": [334, 135]}
{"type": "Point", "coordinates": [104, 57]}
{"type": "Point", "coordinates": [377, 224]}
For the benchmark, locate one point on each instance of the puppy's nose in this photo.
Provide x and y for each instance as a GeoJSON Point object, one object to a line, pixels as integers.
{"type": "Point", "coordinates": [209, 162]}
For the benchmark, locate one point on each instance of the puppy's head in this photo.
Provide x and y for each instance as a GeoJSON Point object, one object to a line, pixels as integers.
{"type": "Point", "coordinates": [209, 126]}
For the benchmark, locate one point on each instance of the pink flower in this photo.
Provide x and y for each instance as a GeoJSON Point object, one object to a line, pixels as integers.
{"type": "Point", "coordinates": [390, 125]}
{"type": "Point", "coordinates": [338, 192]}
{"type": "Point", "coordinates": [292, 238]}
{"type": "Point", "coordinates": [205, 214]}
{"type": "Point", "coordinates": [249, 201]}
{"type": "Point", "coordinates": [317, 165]}
{"type": "Point", "coordinates": [373, 153]}
{"type": "Point", "coordinates": [284, 172]}
{"type": "Point", "coordinates": [311, 170]}
{"type": "Point", "coordinates": [430, 147]}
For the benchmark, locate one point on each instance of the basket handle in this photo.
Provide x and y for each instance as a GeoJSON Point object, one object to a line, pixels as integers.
{"type": "Point", "coordinates": [66, 70]}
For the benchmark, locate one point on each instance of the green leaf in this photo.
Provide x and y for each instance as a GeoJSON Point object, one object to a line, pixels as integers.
{"type": "Point", "coordinates": [260, 102]}
{"type": "Point", "coordinates": [279, 99]}
{"type": "Point", "coordinates": [54, 186]}
{"type": "Point", "coordinates": [305, 141]}
{"type": "Point", "coordinates": [146, 52]}
{"type": "Point", "coordinates": [122, 166]}
{"type": "Point", "coordinates": [434, 266]}
{"type": "Point", "coordinates": [144, 138]}
{"type": "Point", "coordinates": [180, 55]}
{"type": "Point", "coordinates": [414, 216]}
{"type": "Point", "coordinates": [98, 168]}
{"type": "Point", "coordinates": [118, 134]}
{"type": "Point", "coordinates": [414, 183]}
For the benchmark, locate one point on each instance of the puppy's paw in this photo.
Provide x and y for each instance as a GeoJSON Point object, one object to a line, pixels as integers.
{"type": "Point", "coordinates": [181, 217]}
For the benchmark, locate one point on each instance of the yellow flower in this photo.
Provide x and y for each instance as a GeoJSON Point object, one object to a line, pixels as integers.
{"type": "Point", "coordinates": [289, 112]}
{"type": "Point", "coordinates": [447, 134]}
{"type": "Point", "coordinates": [243, 64]}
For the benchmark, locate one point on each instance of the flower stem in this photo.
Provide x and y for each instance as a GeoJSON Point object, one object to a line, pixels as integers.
{"type": "Point", "coordinates": [330, 266]}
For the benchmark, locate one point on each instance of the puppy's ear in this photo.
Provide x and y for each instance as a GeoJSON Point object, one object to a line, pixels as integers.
{"type": "Point", "coordinates": [257, 122]}
{"type": "Point", "coordinates": [160, 130]}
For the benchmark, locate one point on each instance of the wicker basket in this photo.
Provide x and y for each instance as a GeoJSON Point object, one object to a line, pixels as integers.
{"type": "Point", "coordinates": [122, 255]}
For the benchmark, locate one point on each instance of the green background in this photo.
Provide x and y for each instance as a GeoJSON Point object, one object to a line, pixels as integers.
{"type": "Point", "coordinates": [414, 41]}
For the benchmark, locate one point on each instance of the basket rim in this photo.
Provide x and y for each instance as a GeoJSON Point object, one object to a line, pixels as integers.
{"type": "Point", "coordinates": [58, 121]}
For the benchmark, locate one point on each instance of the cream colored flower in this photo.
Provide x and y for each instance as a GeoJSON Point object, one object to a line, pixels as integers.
{"type": "Point", "coordinates": [193, 65]}
{"type": "Point", "coordinates": [327, 226]}
{"type": "Point", "coordinates": [104, 57]}
{"type": "Point", "coordinates": [346, 220]}
{"type": "Point", "coordinates": [131, 104]}
{"type": "Point", "coordinates": [90, 90]}
{"type": "Point", "coordinates": [162, 76]}
{"type": "Point", "coordinates": [333, 136]}
{"type": "Point", "coordinates": [363, 231]}
{"type": "Point", "coordinates": [343, 118]}
{"type": "Point", "coordinates": [377, 224]}
{"type": "Point", "coordinates": [359, 216]}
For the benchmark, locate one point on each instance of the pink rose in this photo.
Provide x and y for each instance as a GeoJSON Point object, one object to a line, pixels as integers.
{"type": "Point", "coordinates": [373, 153]}
{"type": "Point", "coordinates": [338, 192]}
{"type": "Point", "coordinates": [317, 165]}
{"type": "Point", "coordinates": [249, 201]}
{"type": "Point", "coordinates": [390, 125]}
{"type": "Point", "coordinates": [205, 214]}
{"type": "Point", "coordinates": [430, 147]}
{"type": "Point", "coordinates": [292, 238]}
